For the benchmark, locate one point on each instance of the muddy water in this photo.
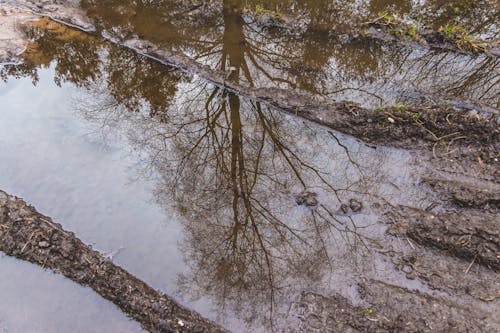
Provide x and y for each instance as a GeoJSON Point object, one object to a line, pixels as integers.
{"type": "Point", "coordinates": [159, 19]}
{"type": "Point", "coordinates": [55, 305]}
{"type": "Point", "coordinates": [194, 189]}
{"type": "Point", "coordinates": [479, 16]}
{"type": "Point", "coordinates": [324, 54]}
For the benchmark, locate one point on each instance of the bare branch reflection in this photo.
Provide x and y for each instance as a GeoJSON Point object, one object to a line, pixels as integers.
{"type": "Point", "coordinates": [232, 168]}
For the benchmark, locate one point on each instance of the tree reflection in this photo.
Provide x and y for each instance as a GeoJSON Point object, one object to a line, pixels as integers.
{"type": "Point", "coordinates": [85, 61]}
{"type": "Point", "coordinates": [228, 166]}
{"type": "Point", "coordinates": [319, 58]}
{"type": "Point", "coordinates": [74, 54]}
{"type": "Point", "coordinates": [230, 173]}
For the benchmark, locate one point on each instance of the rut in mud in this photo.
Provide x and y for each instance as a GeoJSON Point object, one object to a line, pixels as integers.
{"type": "Point", "coordinates": [28, 235]}
{"type": "Point", "coordinates": [317, 222]}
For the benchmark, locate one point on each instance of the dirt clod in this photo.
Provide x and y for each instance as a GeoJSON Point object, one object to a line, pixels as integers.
{"type": "Point", "coordinates": [355, 205]}
{"type": "Point", "coordinates": [307, 198]}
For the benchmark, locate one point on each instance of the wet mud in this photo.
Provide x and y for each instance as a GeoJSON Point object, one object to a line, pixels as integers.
{"type": "Point", "coordinates": [445, 255]}
{"type": "Point", "coordinates": [402, 32]}
{"type": "Point", "coordinates": [30, 236]}
{"type": "Point", "coordinates": [470, 235]}
{"type": "Point", "coordinates": [387, 309]}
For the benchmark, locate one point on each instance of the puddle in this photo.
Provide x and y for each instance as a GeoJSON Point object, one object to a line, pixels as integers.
{"type": "Point", "coordinates": [55, 305]}
{"type": "Point", "coordinates": [197, 191]}
{"type": "Point", "coordinates": [325, 57]}
{"type": "Point", "coordinates": [340, 16]}
{"type": "Point", "coordinates": [191, 188]}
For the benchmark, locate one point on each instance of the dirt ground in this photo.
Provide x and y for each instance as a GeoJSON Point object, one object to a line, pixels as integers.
{"type": "Point", "coordinates": [453, 248]}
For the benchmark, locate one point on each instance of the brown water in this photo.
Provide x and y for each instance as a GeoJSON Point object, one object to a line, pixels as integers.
{"type": "Point", "coordinates": [324, 56]}
{"type": "Point", "coordinates": [193, 189]}
{"type": "Point", "coordinates": [163, 20]}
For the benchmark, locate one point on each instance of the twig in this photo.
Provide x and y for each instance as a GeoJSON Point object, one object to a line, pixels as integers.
{"type": "Point", "coordinates": [413, 247]}
{"type": "Point", "coordinates": [470, 265]}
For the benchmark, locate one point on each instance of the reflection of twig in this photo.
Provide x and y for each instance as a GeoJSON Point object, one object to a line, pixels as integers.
{"type": "Point", "coordinates": [346, 151]}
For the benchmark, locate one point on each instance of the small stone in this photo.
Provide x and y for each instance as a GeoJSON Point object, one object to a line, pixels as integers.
{"type": "Point", "coordinates": [411, 259]}
{"type": "Point", "coordinates": [407, 269]}
{"type": "Point", "coordinates": [43, 244]}
{"type": "Point", "coordinates": [355, 205]}
{"type": "Point", "coordinates": [391, 120]}
{"type": "Point", "coordinates": [344, 208]}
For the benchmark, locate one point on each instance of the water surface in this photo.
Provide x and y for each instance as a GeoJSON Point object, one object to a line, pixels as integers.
{"type": "Point", "coordinates": [327, 55]}
{"type": "Point", "coordinates": [192, 188]}
{"type": "Point", "coordinates": [36, 300]}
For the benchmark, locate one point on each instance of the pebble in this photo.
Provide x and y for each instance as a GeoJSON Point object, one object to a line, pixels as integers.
{"type": "Point", "coordinates": [43, 244]}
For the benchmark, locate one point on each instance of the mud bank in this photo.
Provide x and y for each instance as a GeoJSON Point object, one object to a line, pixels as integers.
{"type": "Point", "coordinates": [388, 309]}
{"type": "Point", "coordinates": [471, 235]}
{"type": "Point", "coordinates": [30, 236]}
{"type": "Point", "coordinates": [386, 28]}
{"type": "Point", "coordinates": [392, 30]}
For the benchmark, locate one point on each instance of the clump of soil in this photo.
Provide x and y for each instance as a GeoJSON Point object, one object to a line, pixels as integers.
{"type": "Point", "coordinates": [31, 236]}
{"type": "Point", "coordinates": [307, 198]}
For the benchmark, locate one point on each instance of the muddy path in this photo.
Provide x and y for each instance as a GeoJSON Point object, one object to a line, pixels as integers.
{"type": "Point", "coordinates": [436, 259]}
{"type": "Point", "coordinates": [30, 236]}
